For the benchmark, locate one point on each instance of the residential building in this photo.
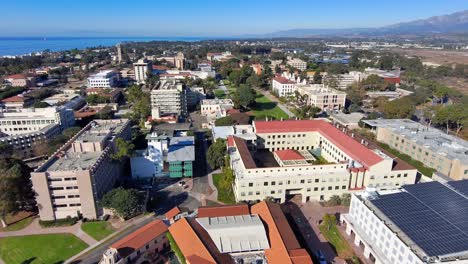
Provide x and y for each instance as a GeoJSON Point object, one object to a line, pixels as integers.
{"type": "Point", "coordinates": [297, 63]}
{"type": "Point", "coordinates": [168, 97]}
{"type": "Point", "coordinates": [34, 119]}
{"type": "Point", "coordinates": [332, 163]}
{"type": "Point", "coordinates": [142, 67]}
{"type": "Point", "coordinates": [74, 179]}
{"type": "Point", "coordinates": [17, 102]}
{"type": "Point", "coordinates": [148, 243]}
{"type": "Point", "coordinates": [104, 79]}
{"type": "Point", "coordinates": [322, 96]}
{"type": "Point", "coordinates": [24, 144]}
{"type": "Point", "coordinates": [435, 149]}
{"type": "Point", "coordinates": [346, 79]}
{"type": "Point", "coordinates": [283, 86]}
{"type": "Point", "coordinates": [238, 234]}
{"type": "Point", "coordinates": [215, 108]}
{"type": "Point", "coordinates": [421, 223]}
{"type": "Point", "coordinates": [21, 80]}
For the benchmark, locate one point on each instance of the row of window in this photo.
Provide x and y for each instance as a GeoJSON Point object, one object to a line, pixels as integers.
{"type": "Point", "coordinates": [316, 189]}
{"type": "Point", "coordinates": [64, 188]}
{"type": "Point", "coordinates": [26, 122]}
{"type": "Point", "coordinates": [61, 179]}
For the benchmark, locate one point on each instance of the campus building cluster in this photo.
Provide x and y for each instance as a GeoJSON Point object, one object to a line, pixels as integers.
{"type": "Point", "coordinates": [311, 158]}
{"type": "Point", "coordinates": [73, 180]}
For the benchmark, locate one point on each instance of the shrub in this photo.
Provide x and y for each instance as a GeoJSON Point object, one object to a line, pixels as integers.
{"type": "Point", "coordinates": [59, 222]}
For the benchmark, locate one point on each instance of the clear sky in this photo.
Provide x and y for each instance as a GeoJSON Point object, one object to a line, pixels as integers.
{"type": "Point", "coordinates": [206, 17]}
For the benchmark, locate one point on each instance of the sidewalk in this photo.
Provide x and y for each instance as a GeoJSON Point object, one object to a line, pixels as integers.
{"type": "Point", "coordinates": [35, 229]}
{"type": "Point", "coordinates": [278, 103]}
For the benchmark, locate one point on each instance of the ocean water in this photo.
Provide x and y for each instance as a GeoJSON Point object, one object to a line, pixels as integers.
{"type": "Point", "coordinates": [10, 46]}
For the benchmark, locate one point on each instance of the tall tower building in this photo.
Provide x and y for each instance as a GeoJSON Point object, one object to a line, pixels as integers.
{"type": "Point", "coordinates": [179, 61]}
{"type": "Point", "coordinates": [142, 67]}
{"type": "Point", "coordinates": [119, 53]}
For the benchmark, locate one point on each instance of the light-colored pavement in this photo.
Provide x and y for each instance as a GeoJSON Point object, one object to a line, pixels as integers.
{"type": "Point", "coordinates": [280, 105]}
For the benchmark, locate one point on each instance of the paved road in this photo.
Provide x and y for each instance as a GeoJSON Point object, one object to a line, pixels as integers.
{"type": "Point", "coordinates": [223, 87]}
{"type": "Point", "coordinates": [280, 105]}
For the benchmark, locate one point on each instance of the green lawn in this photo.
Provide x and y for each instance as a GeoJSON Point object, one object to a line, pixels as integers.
{"type": "Point", "coordinates": [220, 94]}
{"type": "Point", "coordinates": [175, 248]}
{"type": "Point", "coordinates": [18, 225]}
{"type": "Point", "coordinates": [265, 108]}
{"type": "Point", "coordinates": [225, 194]}
{"type": "Point", "coordinates": [98, 230]}
{"type": "Point", "coordinates": [334, 237]}
{"type": "Point", "coordinates": [51, 248]}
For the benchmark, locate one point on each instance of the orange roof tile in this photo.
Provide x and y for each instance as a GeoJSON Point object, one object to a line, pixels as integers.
{"type": "Point", "coordinates": [189, 243]}
{"type": "Point", "coordinates": [283, 80]}
{"type": "Point", "coordinates": [16, 76]}
{"type": "Point", "coordinates": [15, 99]}
{"type": "Point", "coordinates": [172, 213]}
{"type": "Point", "coordinates": [223, 210]}
{"type": "Point", "coordinates": [288, 154]}
{"type": "Point", "coordinates": [140, 237]}
{"type": "Point", "coordinates": [350, 146]}
{"type": "Point", "coordinates": [244, 153]}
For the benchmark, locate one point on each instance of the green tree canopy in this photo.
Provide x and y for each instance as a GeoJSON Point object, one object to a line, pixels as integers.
{"type": "Point", "coordinates": [125, 203]}
{"type": "Point", "coordinates": [224, 121]}
{"type": "Point", "coordinates": [123, 149]}
{"type": "Point", "coordinates": [216, 154]}
{"type": "Point", "coordinates": [245, 96]}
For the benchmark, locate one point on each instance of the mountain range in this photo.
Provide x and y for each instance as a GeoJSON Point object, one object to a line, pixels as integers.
{"type": "Point", "coordinates": [454, 23]}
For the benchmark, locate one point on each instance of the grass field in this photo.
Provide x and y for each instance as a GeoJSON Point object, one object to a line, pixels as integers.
{"type": "Point", "coordinates": [225, 195]}
{"type": "Point", "coordinates": [51, 248]}
{"type": "Point", "coordinates": [18, 225]}
{"type": "Point", "coordinates": [219, 94]}
{"type": "Point", "coordinates": [265, 108]}
{"type": "Point", "coordinates": [334, 237]}
{"type": "Point", "coordinates": [98, 230]}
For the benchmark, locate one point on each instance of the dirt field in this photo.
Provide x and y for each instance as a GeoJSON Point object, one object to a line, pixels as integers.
{"type": "Point", "coordinates": [459, 84]}
{"type": "Point", "coordinates": [437, 56]}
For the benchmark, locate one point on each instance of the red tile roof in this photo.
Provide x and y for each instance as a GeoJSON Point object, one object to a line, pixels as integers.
{"type": "Point", "coordinates": [160, 67]}
{"type": "Point", "coordinates": [230, 141]}
{"type": "Point", "coordinates": [16, 76]}
{"type": "Point", "coordinates": [15, 99]}
{"type": "Point", "coordinates": [189, 243]}
{"type": "Point", "coordinates": [350, 146]}
{"type": "Point", "coordinates": [283, 80]}
{"type": "Point", "coordinates": [223, 210]}
{"type": "Point", "coordinates": [140, 238]}
{"type": "Point", "coordinates": [172, 213]}
{"type": "Point", "coordinates": [288, 154]}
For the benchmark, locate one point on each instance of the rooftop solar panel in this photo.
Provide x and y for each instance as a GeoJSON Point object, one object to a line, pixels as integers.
{"type": "Point", "coordinates": [432, 215]}
{"type": "Point", "coordinates": [461, 186]}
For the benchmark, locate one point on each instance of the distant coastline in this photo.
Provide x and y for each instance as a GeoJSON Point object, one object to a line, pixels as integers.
{"type": "Point", "coordinates": [15, 46]}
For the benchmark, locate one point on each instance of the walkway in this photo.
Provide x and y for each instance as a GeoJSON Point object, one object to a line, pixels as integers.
{"type": "Point", "coordinates": [35, 229]}
{"type": "Point", "coordinates": [278, 103]}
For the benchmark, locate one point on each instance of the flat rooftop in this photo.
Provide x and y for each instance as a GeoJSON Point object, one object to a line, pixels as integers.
{"type": "Point", "coordinates": [217, 102]}
{"type": "Point", "coordinates": [431, 217]}
{"type": "Point", "coordinates": [352, 118]}
{"type": "Point", "coordinates": [181, 149]}
{"type": "Point", "coordinates": [434, 139]}
{"type": "Point", "coordinates": [100, 131]}
{"type": "Point", "coordinates": [73, 161]}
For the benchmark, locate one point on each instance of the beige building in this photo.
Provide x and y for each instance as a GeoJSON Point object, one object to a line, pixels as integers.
{"type": "Point", "coordinates": [310, 158]}
{"type": "Point", "coordinates": [179, 61]}
{"type": "Point", "coordinates": [20, 80]}
{"type": "Point", "coordinates": [283, 86]}
{"type": "Point", "coordinates": [76, 176]}
{"type": "Point", "coordinates": [297, 63]}
{"type": "Point", "coordinates": [434, 148]}
{"type": "Point", "coordinates": [215, 108]}
{"type": "Point", "coordinates": [141, 69]}
{"type": "Point", "coordinates": [168, 97]}
{"type": "Point", "coordinates": [322, 96]}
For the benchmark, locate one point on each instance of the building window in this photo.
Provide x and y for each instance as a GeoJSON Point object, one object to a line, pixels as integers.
{"type": "Point", "coordinates": [250, 184]}
{"type": "Point", "coordinates": [330, 188]}
{"type": "Point", "coordinates": [265, 184]}
{"type": "Point", "coordinates": [302, 181]}
{"type": "Point", "coordinates": [316, 180]}
{"type": "Point", "coordinates": [273, 183]}
{"type": "Point", "coordinates": [343, 187]}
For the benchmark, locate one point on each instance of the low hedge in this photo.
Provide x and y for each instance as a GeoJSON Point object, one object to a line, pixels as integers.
{"type": "Point", "coordinates": [59, 222]}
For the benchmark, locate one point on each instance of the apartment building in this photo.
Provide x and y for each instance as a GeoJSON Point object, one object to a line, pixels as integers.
{"type": "Point", "coordinates": [421, 223]}
{"type": "Point", "coordinates": [435, 149]}
{"type": "Point", "coordinates": [136, 247]}
{"type": "Point", "coordinates": [16, 102]}
{"type": "Point", "coordinates": [34, 119]}
{"type": "Point", "coordinates": [73, 180]}
{"type": "Point", "coordinates": [317, 161]}
{"type": "Point", "coordinates": [297, 63]}
{"type": "Point", "coordinates": [216, 108]}
{"type": "Point", "coordinates": [168, 97]}
{"type": "Point", "coordinates": [21, 80]}
{"type": "Point", "coordinates": [142, 67]}
{"type": "Point", "coordinates": [346, 79]}
{"type": "Point", "coordinates": [322, 96]}
{"type": "Point", "coordinates": [104, 79]}
{"type": "Point", "coordinates": [283, 86]}
{"type": "Point", "coordinates": [238, 234]}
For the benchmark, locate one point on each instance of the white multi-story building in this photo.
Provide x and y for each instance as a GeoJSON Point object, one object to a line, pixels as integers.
{"type": "Point", "coordinates": [29, 120]}
{"type": "Point", "coordinates": [216, 108]}
{"type": "Point", "coordinates": [169, 97]}
{"type": "Point", "coordinates": [317, 161]}
{"type": "Point", "coordinates": [345, 80]}
{"type": "Point", "coordinates": [421, 223]}
{"type": "Point", "coordinates": [142, 67]}
{"type": "Point", "coordinates": [104, 79]}
{"type": "Point", "coordinates": [322, 96]}
{"type": "Point", "coordinates": [297, 63]}
{"type": "Point", "coordinates": [283, 86]}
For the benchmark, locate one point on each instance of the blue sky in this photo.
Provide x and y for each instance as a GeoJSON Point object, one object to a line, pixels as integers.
{"type": "Point", "coordinates": [206, 17]}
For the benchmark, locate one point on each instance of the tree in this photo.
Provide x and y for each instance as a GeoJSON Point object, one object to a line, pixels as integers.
{"type": "Point", "coordinates": [125, 203]}
{"type": "Point", "coordinates": [354, 108]}
{"type": "Point", "coordinates": [215, 154]}
{"type": "Point", "coordinates": [317, 77]}
{"type": "Point", "coordinates": [329, 221]}
{"type": "Point", "coordinates": [71, 131]}
{"type": "Point", "coordinates": [331, 81]}
{"type": "Point", "coordinates": [94, 99]}
{"type": "Point", "coordinates": [40, 104]}
{"type": "Point", "coordinates": [141, 106]}
{"type": "Point", "coordinates": [346, 199]}
{"type": "Point", "coordinates": [386, 62]}
{"type": "Point", "coordinates": [399, 108]}
{"type": "Point", "coordinates": [15, 187]}
{"type": "Point", "coordinates": [124, 149]}
{"type": "Point", "coordinates": [245, 96]}
{"type": "Point", "coordinates": [334, 200]}
{"type": "Point", "coordinates": [224, 121]}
